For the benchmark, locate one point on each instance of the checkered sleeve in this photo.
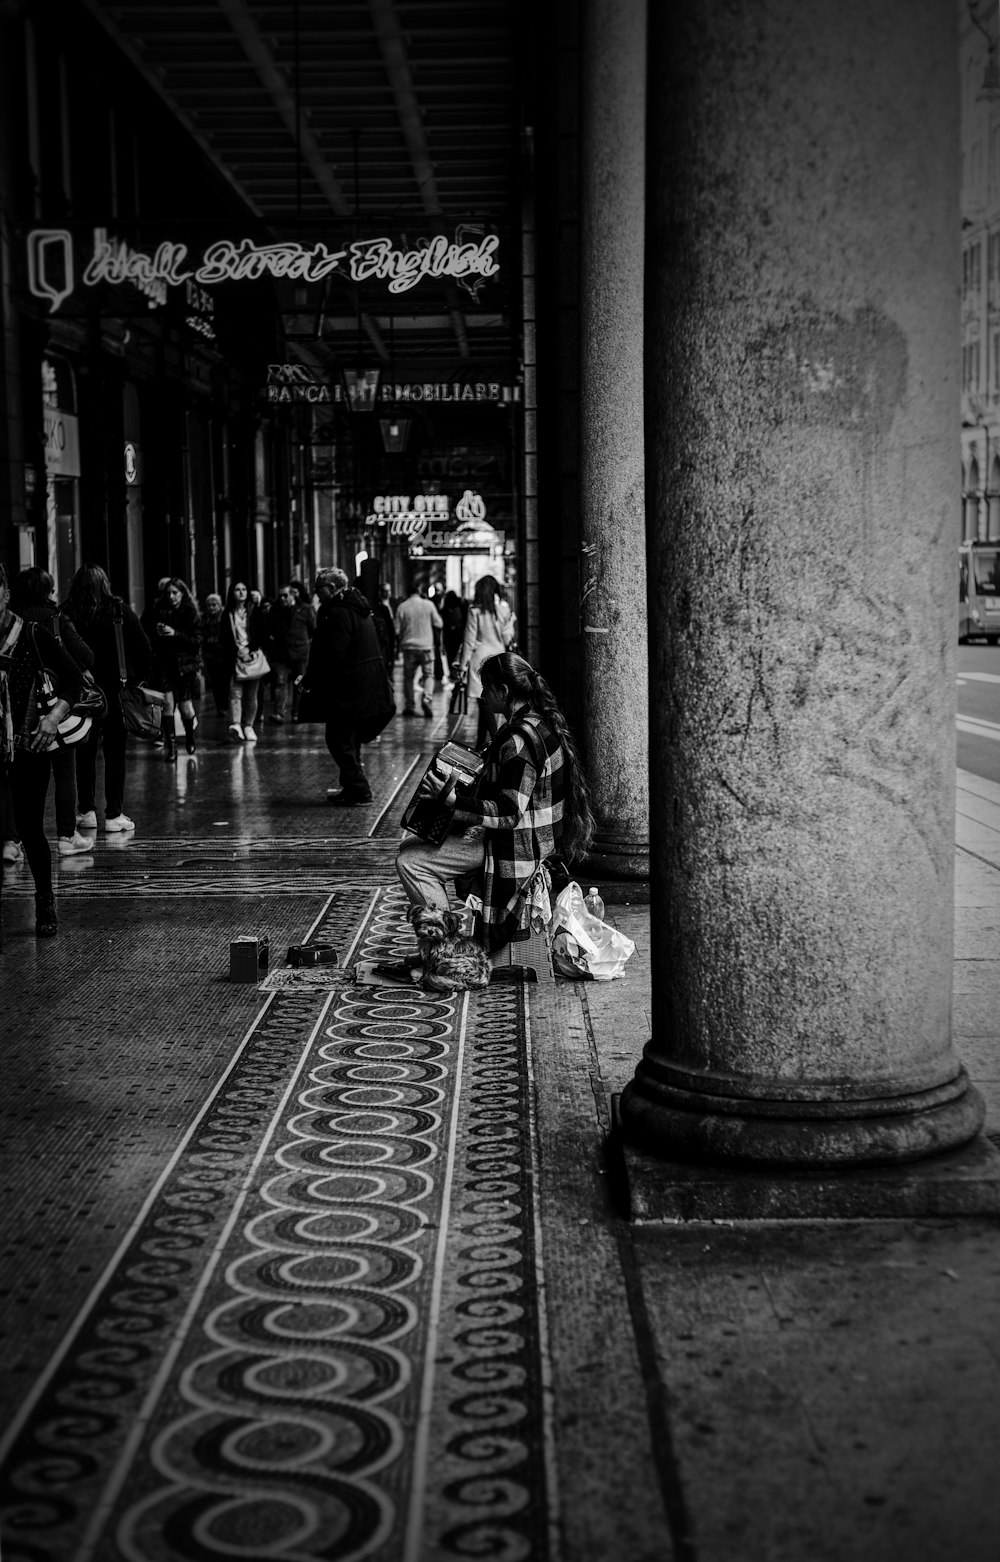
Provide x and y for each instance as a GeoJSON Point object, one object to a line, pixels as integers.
{"type": "Point", "coordinates": [498, 804]}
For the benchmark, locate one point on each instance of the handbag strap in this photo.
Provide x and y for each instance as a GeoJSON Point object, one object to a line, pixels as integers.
{"type": "Point", "coordinates": [119, 640]}
{"type": "Point", "coordinates": [44, 679]}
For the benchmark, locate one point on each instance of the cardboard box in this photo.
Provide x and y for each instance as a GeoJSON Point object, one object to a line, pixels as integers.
{"type": "Point", "coordinates": [248, 958]}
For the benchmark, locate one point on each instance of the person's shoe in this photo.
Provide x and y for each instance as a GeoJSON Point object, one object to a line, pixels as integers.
{"type": "Point", "coordinates": [409, 713]}
{"type": "Point", "coordinates": [119, 822]}
{"type": "Point", "coordinates": [235, 733]}
{"type": "Point", "coordinates": [12, 851]}
{"type": "Point", "coordinates": [349, 800]}
{"type": "Point", "coordinates": [249, 735]}
{"type": "Point", "coordinates": [87, 820]}
{"type": "Point", "coordinates": [46, 921]}
{"type": "Point", "coordinates": [428, 710]}
{"type": "Point", "coordinates": [70, 845]}
{"type": "Point", "coordinates": [189, 742]}
{"type": "Point", "coordinates": [278, 720]}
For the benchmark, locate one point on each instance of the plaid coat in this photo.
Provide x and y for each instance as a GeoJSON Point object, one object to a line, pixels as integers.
{"type": "Point", "coordinates": [518, 801]}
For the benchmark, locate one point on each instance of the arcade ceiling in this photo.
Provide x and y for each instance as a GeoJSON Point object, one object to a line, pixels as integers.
{"type": "Point", "coordinates": [341, 120]}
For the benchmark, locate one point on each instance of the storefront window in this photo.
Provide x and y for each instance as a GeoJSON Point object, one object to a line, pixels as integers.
{"type": "Point", "coordinates": [62, 472]}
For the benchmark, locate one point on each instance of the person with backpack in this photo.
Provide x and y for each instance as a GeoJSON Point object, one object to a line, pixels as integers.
{"type": "Point", "coordinates": [31, 597]}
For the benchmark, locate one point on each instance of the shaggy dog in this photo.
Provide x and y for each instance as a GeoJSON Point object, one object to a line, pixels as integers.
{"type": "Point", "coordinates": [450, 960]}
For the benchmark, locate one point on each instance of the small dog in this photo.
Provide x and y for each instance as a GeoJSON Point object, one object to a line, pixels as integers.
{"type": "Point", "coordinates": [451, 961]}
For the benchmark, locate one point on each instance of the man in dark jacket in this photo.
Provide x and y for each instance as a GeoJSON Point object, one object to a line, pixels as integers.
{"type": "Point", "coordinates": [289, 629]}
{"type": "Point", "coordinates": [346, 683]}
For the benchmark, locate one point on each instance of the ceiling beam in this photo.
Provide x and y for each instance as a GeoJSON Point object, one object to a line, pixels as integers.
{"type": "Point", "coordinates": [154, 81]}
{"type": "Point", "coordinates": [283, 97]}
{"type": "Point", "coordinates": [393, 47]}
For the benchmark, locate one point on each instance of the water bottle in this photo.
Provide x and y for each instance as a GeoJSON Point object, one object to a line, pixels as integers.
{"type": "Point", "coordinates": [594, 903]}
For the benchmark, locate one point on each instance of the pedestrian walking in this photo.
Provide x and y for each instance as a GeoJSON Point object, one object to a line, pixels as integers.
{"type": "Point", "coordinates": [245, 662]}
{"type": "Point", "coordinates": [176, 641]}
{"type": "Point", "coordinates": [92, 607]}
{"type": "Point", "coordinates": [31, 597]}
{"type": "Point", "coordinates": [453, 614]}
{"type": "Point", "coordinates": [489, 631]}
{"type": "Point", "coordinates": [385, 627]}
{"type": "Point", "coordinates": [416, 620]}
{"type": "Point", "coordinates": [289, 630]}
{"type": "Point", "coordinates": [212, 660]}
{"type": "Point", "coordinates": [346, 684]}
{"type": "Point", "coordinates": [530, 804]}
{"type": "Point", "coordinates": [26, 732]}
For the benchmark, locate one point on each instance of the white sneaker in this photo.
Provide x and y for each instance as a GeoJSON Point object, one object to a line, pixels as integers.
{"type": "Point", "coordinates": [236, 733]}
{"type": "Point", "coordinates": [12, 851]}
{"type": "Point", "coordinates": [119, 822]}
{"type": "Point", "coordinates": [86, 821]}
{"type": "Point", "coordinates": [70, 845]}
{"type": "Point", "coordinates": [249, 734]}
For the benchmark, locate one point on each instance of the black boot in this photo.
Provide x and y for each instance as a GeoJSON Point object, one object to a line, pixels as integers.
{"type": "Point", "coordinates": [167, 733]}
{"type": "Point", "coordinates": [189, 738]}
{"type": "Point", "coordinates": [46, 921]}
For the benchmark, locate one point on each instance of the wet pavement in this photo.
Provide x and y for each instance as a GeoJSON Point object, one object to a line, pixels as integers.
{"type": "Point", "coordinates": [335, 1271]}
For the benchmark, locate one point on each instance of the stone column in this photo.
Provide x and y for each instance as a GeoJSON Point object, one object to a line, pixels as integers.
{"type": "Point", "coordinates": [613, 572]}
{"type": "Point", "coordinates": [802, 416]}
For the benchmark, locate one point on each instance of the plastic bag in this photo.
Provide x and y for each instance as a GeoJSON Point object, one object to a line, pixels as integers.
{"type": "Point", "coordinates": [582, 945]}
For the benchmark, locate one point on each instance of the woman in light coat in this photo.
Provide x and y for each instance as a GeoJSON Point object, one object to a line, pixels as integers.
{"type": "Point", "coordinates": [489, 631]}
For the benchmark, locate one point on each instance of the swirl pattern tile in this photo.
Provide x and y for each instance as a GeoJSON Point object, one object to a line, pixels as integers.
{"type": "Point", "coordinates": [322, 1338]}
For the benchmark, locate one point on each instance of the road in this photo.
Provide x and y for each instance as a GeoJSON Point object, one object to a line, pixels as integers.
{"type": "Point", "coordinates": [979, 710]}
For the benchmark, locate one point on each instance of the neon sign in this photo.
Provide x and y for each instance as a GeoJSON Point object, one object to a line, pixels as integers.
{"type": "Point", "coordinates": [51, 263]}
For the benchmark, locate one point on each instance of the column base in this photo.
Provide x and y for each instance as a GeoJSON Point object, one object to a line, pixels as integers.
{"type": "Point", "coordinates": [965, 1181]}
{"type": "Point", "coordinates": [818, 1134]}
{"type": "Point", "coordinates": [619, 863]}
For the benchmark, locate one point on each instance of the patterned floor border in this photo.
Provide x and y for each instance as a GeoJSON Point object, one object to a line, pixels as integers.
{"type": "Point", "coordinates": [323, 1335]}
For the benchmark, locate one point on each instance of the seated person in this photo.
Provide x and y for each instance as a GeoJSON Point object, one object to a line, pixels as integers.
{"type": "Point", "coordinates": [529, 803]}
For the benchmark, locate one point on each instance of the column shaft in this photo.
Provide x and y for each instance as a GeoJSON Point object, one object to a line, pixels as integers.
{"type": "Point", "coordinates": [613, 573]}
{"type": "Point", "coordinates": [802, 414]}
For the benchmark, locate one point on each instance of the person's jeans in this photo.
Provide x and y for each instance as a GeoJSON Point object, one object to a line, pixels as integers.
{"type": "Point", "coordinates": [345, 748]}
{"type": "Point", "coordinates": [281, 673]}
{"type": "Point", "coordinates": [110, 734]}
{"type": "Point", "coordinates": [243, 701]}
{"type": "Point", "coordinates": [424, 868]}
{"type": "Point", "coordinates": [412, 660]}
{"type": "Point", "coordinates": [28, 782]}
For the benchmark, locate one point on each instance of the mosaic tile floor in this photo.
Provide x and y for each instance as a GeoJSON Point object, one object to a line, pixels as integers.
{"type": "Point", "coordinates": [317, 1336]}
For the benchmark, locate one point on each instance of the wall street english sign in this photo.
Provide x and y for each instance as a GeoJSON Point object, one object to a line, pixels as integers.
{"type": "Point", "coordinates": [53, 264]}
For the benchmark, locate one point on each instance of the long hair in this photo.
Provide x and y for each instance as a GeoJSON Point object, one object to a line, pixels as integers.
{"type": "Point", "coordinates": [188, 605]}
{"type": "Point", "coordinates": [89, 595]}
{"type": "Point", "coordinates": [231, 602]}
{"type": "Point", "coordinates": [524, 683]}
{"type": "Point", "coordinates": [486, 594]}
{"type": "Point", "coordinates": [32, 587]}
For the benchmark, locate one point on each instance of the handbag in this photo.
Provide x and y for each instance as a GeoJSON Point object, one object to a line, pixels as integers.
{"type": "Point", "coordinates": [458, 705]}
{"type": "Point", "coordinates": [427, 816]}
{"type": "Point", "coordinates": [93, 701]}
{"type": "Point", "coordinates": [257, 666]}
{"type": "Point", "coordinates": [140, 707]}
{"type": "Point", "coordinates": [76, 725]}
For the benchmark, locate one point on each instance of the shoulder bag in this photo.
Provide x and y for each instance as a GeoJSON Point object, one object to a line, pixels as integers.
{"type": "Point", "coordinates": [73, 727]}
{"type": "Point", "coordinates": [140, 707]}
{"type": "Point", "coordinates": [256, 666]}
{"type": "Point", "coordinates": [92, 701]}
